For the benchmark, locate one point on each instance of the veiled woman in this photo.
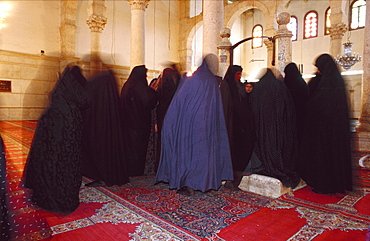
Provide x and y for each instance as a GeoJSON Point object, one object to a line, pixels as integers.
{"type": "Point", "coordinates": [300, 93]}
{"type": "Point", "coordinates": [238, 115]}
{"type": "Point", "coordinates": [53, 169]}
{"type": "Point", "coordinates": [195, 151]}
{"type": "Point", "coordinates": [325, 152]}
{"type": "Point", "coordinates": [275, 124]}
{"type": "Point", "coordinates": [166, 90]}
{"type": "Point", "coordinates": [137, 101]}
{"type": "Point", "coordinates": [104, 158]}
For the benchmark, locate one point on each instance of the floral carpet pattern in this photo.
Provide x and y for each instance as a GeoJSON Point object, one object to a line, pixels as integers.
{"type": "Point", "coordinates": [142, 210]}
{"type": "Point", "coordinates": [116, 211]}
{"type": "Point", "coordinates": [32, 223]}
{"type": "Point", "coordinates": [203, 214]}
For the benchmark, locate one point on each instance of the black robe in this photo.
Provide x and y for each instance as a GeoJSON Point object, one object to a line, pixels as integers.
{"type": "Point", "coordinates": [53, 168]}
{"type": "Point", "coordinates": [275, 124]}
{"type": "Point", "coordinates": [4, 209]}
{"type": "Point", "coordinates": [299, 91]}
{"type": "Point", "coordinates": [103, 153]}
{"type": "Point", "coordinates": [239, 119]}
{"type": "Point", "coordinates": [166, 90]}
{"type": "Point", "coordinates": [137, 101]}
{"type": "Point", "coordinates": [325, 153]}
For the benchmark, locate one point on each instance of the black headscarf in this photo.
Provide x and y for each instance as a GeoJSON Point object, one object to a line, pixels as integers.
{"type": "Point", "coordinates": [275, 124]}
{"type": "Point", "coordinates": [137, 101]}
{"type": "Point", "coordinates": [325, 153]}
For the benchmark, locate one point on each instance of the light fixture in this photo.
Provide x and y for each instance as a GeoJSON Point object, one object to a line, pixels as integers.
{"type": "Point", "coordinates": [348, 59]}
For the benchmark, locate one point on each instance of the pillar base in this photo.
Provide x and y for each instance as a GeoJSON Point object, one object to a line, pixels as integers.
{"type": "Point", "coordinates": [266, 186]}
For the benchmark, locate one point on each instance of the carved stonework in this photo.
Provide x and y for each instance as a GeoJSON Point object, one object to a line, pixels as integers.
{"type": "Point", "coordinates": [285, 41]}
{"type": "Point", "coordinates": [283, 18]}
{"type": "Point", "coordinates": [224, 51]}
{"type": "Point", "coordinates": [96, 23]}
{"type": "Point", "coordinates": [138, 4]}
{"type": "Point", "coordinates": [268, 44]}
{"type": "Point", "coordinates": [337, 31]}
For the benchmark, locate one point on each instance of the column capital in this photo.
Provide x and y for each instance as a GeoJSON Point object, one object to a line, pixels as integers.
{"type": "Point", "coordinates": [96, 22]}
{"type": "Point", "coordinates": [268, 44]}
{"type": "Point", "coordinates": [338, 30]}
{"type": "Point", "coordinates": [138, 4]}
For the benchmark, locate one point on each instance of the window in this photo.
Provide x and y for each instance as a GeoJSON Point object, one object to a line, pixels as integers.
{"type": "Point", "coordinates": [257, 36]}
{"type": "Point", "coordinates": [196, 8]}
{"type": "Point", "coordinates": [310, 25]}
{"type": "Point", "coordinates": [358, 14]}
{"type": "Point", "coordinates": [293, 27]}
{"type": "Point", "coordinates": [327, 20]}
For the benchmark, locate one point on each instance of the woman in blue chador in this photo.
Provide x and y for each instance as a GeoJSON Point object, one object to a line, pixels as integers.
{"type": "Point", "coordinates": [195, 152]}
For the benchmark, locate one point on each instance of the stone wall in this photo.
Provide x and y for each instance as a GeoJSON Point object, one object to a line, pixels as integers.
{"type": "Point", "coordinates": [32, 78]}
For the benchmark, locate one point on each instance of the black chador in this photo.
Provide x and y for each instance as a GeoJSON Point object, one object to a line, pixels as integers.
{"type": "Point", "coordinates": [239, 121]}
{"type": "Point", "coordinates": [166, 90]}
{"type": "Point", "coordinates": [275, 123]}
{"type": "Point", "coordinates": [325, 151]}
{"type": "Point", "coordinates": [53, 169]}
{"type": "Point", "coordinates": [137, 101]}
{"type": "Point", "coordinates": [102, 149]}
{"type": "Point", "coordinates": [299, 91]}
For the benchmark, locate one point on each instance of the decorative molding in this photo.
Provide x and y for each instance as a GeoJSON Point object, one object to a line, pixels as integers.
{"type": "Point", "coordinates": [96, 23]}
{"type": "Point", "coordinates": [138, 4]}
{"type": "Point", "coordinates": [338, 30]}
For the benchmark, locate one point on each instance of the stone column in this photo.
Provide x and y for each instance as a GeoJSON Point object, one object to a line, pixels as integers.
{"type": "Point", "coordinates": [224, 51]}
{"type": "Point", "coordinates": [365, 99]}
{"type": "Point", "coordinates": [338, 27]}
{"type": "Point", "coordinates": [137, 50]}
{"type": "Point", "coordinates": [68, 30]}
{"type": "Point", "coordinates": [337, 32]}
{"type": "Point", "coordinates": [96, 22]}
{"type": "Point", "coordinates": [270, 32]}
{"type": "Point", "coordinates": [284, 37]}
{"type": "Point", "coordinates": [213, 22]}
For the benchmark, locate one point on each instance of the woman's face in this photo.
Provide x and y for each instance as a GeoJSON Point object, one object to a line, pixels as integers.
{"type": "Point", "coordinates": [248, 88]}
{"type": "Point", "coordinates": [238, 76]}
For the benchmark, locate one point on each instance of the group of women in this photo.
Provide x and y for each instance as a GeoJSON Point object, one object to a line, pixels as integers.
{"type": "Point", "coordinates": [206, 132]}
{"type": "Point", "coordinates": [298, 130]}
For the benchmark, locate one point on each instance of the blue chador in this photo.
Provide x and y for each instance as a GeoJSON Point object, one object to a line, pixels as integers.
{"type": "Point", "coordinates": [195, 149]}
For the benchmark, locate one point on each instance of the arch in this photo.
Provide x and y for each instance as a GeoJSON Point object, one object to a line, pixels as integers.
{"type": "Point", "coordinates": [234, 10]}
{"type": "Point", "coordinates": [357, 13]}
{"type": "Point", "coordinates": [257, 32]}
{"type": "Point", "coordinates": [189, 42]}
{"type": "Point", "coordinates": [327, 21]}
{"type": "Point", "coordinates": [293, 27]}
{"type": "Point", "coordinates": [310, 25]}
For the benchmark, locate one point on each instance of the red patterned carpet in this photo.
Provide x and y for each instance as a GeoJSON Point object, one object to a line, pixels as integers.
{"type": "Point", "coordinates": [143, 211]}
{"type": "Point", "coordinates": [100, 216]}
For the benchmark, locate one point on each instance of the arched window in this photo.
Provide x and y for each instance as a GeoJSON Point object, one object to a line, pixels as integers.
{"type": "Point", "coordinates": [327, 20]}
{"type": "Point", "coordinates": [293, 27]}
{"type": "Point", "coordinates": [357, 14]}
{"type": "Point", "coordinates": [196, 8]}
{"type": "Point", "coordinates": [310, 24]}
{"type": "Point", "coordinates": [257, 33]}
